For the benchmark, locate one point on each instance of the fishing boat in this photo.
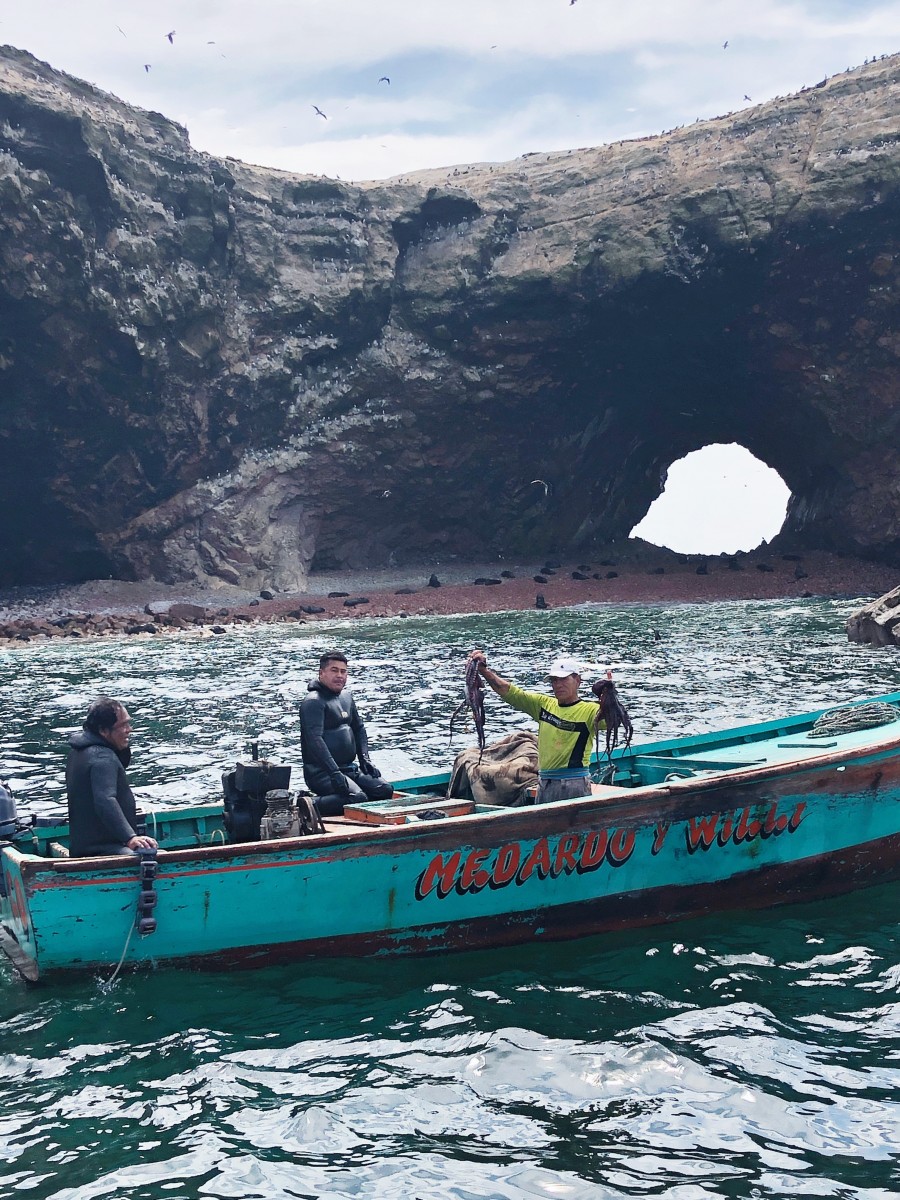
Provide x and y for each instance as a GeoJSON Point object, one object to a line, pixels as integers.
{"type": "Point", "coordinates": [763, 814]}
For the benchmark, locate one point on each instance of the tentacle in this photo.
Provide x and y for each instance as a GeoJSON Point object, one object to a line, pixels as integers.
{"type": "Point", "coordinates": [456, 712]}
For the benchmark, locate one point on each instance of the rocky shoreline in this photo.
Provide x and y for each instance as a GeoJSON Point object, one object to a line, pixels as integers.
{"type": "Point", "coordinates": [639, 573]}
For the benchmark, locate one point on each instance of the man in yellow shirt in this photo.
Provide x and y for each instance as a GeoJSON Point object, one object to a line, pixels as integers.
{"type": "Point", "coordinates": [566, 726]}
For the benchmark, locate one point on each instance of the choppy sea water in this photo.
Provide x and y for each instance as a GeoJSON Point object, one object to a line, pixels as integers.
{"type": "Point", "coordinates": [742, 1056]}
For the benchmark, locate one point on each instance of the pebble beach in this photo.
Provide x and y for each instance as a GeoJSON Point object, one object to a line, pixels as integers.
{"type": "Point", "coordinates": [638, 573]}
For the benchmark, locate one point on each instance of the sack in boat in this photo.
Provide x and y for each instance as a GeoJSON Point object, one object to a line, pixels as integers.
{"type": "Point", "coordinates": [501, 774]}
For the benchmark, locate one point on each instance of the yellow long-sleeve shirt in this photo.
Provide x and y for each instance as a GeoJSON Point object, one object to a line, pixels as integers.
{"type": "Point", "coordinates": [565, 732]}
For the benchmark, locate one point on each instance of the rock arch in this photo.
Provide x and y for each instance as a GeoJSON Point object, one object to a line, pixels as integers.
{"type": "Point", "coordinates": [234, 373]}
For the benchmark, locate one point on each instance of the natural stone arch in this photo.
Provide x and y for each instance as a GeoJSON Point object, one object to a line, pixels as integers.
{"type": "Point", "coordinates": [211, 370]}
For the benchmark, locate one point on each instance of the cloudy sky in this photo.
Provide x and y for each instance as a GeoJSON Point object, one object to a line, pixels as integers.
{"type": "Point", "coordinates": [469, 81]}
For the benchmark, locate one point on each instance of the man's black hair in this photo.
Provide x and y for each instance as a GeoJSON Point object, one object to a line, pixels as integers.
{"type": "Point", "coordinates": [103, 714]}
{"type": "Point", "coordinates": [332, 656]}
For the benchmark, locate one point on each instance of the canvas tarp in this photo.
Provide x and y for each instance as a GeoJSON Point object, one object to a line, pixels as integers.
{"type": "Point", "coordinates": [505, 770]}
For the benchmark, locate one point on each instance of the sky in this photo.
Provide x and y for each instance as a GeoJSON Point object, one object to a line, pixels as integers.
{"type": "Point", "coordinates": [410, 84]}
{"type": "Point", "coordinates": [717, 500]}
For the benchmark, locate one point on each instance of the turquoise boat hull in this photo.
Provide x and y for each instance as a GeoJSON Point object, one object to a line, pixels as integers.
{"type": "Point", "coordinates": [748, 817]}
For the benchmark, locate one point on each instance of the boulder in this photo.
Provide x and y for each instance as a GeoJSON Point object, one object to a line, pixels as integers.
{"type": "Point", "coordinates": [157, 608]}
{"type": "Point", "coordinates": [877, 623]}
{"type": "Point", "coordinates": [183, 611]}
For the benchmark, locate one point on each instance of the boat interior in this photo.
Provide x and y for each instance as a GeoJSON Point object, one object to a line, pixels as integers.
{"type": "Point", "coordinates": [258, 805]}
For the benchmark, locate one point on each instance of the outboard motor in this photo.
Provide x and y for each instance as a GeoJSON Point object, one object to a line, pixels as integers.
{"type": "Point", "coordinates": [245, 791]}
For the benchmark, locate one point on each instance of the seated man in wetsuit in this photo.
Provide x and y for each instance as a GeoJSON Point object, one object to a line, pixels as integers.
{"type": "Point", "coordinates": [333, 741]}
{"type": "Point", "coordinates": [102, 810]}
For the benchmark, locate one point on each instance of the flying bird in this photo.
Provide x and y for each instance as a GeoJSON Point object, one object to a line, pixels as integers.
{"type": "Point", "coordinates": [146, 66]}
{"type": "Point", "coordinates": [724, 45]}
{"type": "Point", "coordinates": [319, 111]}
{"type": "Point", "coordinates": [122, 31]}
{"type": "Point", "coordinates": [544, 485]}
{"type": "Point", "coordinates": [746, 97]}
{"type": "Point", "coordinates": [171, 36]}
{"type": "Point", "coordinates": [384, 79]}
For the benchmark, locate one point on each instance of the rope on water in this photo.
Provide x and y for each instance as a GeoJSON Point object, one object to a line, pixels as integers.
{"type": "Point", "coordinates": [856, 716]}
{"type": "Point", "coordinates": [105, 985]}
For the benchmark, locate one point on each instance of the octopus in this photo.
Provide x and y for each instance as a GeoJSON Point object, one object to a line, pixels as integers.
{"type": "Point", "coordinates": [614, 713]}
{"type": "Point", "coordinates": [474, 700]}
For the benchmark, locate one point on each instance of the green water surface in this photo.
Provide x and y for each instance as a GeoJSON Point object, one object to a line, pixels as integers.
{"type": "Point", "coordinates": [739, 1056]}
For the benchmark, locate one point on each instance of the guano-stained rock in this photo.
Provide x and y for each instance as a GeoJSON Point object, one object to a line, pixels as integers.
{"type": "Point", "coordinates": [212, 371]}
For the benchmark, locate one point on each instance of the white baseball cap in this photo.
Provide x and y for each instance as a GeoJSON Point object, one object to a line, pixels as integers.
{"type": "Point", "coordinates": [561, 667]}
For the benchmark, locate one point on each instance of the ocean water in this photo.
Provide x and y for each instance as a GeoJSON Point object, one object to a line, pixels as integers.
{"type": "Point", "coordinates": [739, 1056]}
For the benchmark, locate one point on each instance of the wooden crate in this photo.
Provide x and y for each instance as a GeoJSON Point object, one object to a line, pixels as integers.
{"type": "Point", "coordinates": [401, 809]}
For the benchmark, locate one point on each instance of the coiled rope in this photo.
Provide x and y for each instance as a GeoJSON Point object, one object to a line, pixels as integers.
{"type": "Point", "coordinates": [853, 717]}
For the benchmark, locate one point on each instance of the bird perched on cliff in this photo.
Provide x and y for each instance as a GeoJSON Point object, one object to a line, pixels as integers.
{"type": "Point", "coordinates": [319, 111]}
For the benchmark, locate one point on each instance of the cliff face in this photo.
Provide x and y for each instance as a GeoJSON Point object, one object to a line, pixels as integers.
{"type": "Point", "coordinates": [211, 370]}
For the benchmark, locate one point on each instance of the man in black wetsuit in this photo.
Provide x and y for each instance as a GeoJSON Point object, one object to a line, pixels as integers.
{"type": "Point", "coordinates": [333, 738]}
{"type": "Point", "coordinates": [101, 804]}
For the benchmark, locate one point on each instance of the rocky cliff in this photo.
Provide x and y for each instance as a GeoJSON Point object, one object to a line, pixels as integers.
{"type": "Point", "coordinates": [209, 370]}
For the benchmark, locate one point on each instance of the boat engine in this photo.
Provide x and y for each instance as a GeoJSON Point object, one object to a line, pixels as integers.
{"type": "Point", "coordinates": [246, 789]}
{"type": "Point", "coordinates": [288, 816]}
{"type": "Point", "coordinates": [281, 819]}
